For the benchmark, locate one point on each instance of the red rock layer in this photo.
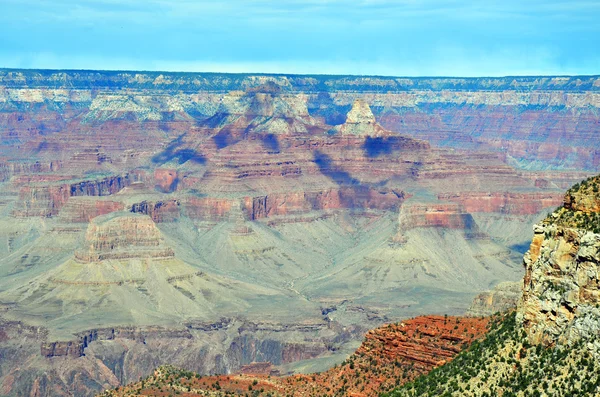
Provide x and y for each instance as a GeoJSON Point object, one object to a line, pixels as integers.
{"type": "Point", "coordinates": [159, 211]}
{"type": "Point", "coordinates": [505, 202]}
{"type": "Point", "coordinates": [556, 136]}
{"type": "Point", "coordinates": [447, 215]}
{"type": "Point", "coordinates": [210, 209]}
{"type": "Point", "coordinates": [389, 356]}
{"type": "Point", "coordinates": [166, 179]}
{"type": "Point", "coordinates": [80, 209]}
{"type": "Point", "coordinates": [45, 200]}
{"type": "Point", "coordinates": [300, 202]}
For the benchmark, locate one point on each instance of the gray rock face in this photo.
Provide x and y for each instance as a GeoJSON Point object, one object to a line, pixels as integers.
{"type": "Point", "coordinates": [561, 287]}
{"type": "Point", "coordinates": [503, 297]}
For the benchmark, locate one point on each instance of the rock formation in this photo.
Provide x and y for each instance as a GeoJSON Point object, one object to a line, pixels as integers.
{"type": "Point", "coordinates": [502, 298]}
{"type": "Point", "coordinates": [117, 237]}
{"type": "Point", "coordinates": [561, 292]}
{"type": "Point", "coordinates": [361, 122]}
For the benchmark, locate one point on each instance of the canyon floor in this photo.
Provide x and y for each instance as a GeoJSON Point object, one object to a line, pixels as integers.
{"type": "Point", "coordinates": [213, 221]}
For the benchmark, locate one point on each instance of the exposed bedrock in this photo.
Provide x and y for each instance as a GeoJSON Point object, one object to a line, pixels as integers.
{"type": "Point", "coordinates": [9, 168]}
{"type": "Point", "coordinates": [294, 203]}
{"type": "Point", "coordinates": [109, 357]}
{"type": "Point", "coordinates": [122, 237]}
{"type": "Point", "coordinates": [447, 215]}
{"type": "Point", "coordinates": [102, 187]}
{"type": "Point", "coordinates": [504, 202]}
{"type": "Point", "coordinates": [538, 122]}
{"type": "Point", "coordinates": [280, 195]}
{"type": "Point", "coordinates": [166, 179]}
{"type": "Point", "coordinates": [271, 205]}
{"type": "Point", "coordinates": [38, 199]}
{"type": "Point", "coordinates": [159, 211]}
{"type": "Point", "coordinates": [541, 135]}
{"type": "Point", "coordinates": [561, 291]}
{"type": "Point", "coordinates": [503, 297]}
{"type": "Point", "coordinates": [211, 209]}
{"type": "Point", "coordinates": [360, 121]}
{"type": "Point", "coordinates": [83, 209]}
{"type": "Point", "coordinates": [77, 346]}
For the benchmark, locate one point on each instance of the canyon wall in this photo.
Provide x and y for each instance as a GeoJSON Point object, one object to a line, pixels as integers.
{"type": "Point", "coordinates": [561, 292]}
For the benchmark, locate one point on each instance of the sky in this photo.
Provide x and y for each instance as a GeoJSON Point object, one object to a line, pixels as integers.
{"type": "Point", "coordinates": [368, 37]}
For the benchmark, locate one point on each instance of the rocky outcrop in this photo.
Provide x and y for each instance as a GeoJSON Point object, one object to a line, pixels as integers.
{"type": "Point", "coordinates": [425, 342]}
{"type": "Point", "coordinates": [272, 205]}
{"type": "Point", "coordinates": [62, 349]}
{"type": "Point", "coordinates": [502, 298]}
{"type": "Point", "coordinates": [160, 211]}
{"type": "Point", "coordinates": [101, 187]}
{"type": "Point", "coordinates": [262, 368]}
{"type": "Point", "coordinates": [332, 199]}
{"type": "Point", "coordinates": [83, 209]}
{"type": "Point", "coordinates": [123, 236]}
{"type": "Point", "coordinates": [166, 179]}
{"type": "Point", "coordinates": [561, 291]}
{"type": "Point", "coordinates": [584, 197]}
{"type": "Point", "coordinates": [505, 202]}
{"type": "Point", "coordinates": [361, 122]}
{"type": "Point", "coordinates": [45, 200]}
{"type": "Point", "coordinates": [76, 347]}
{"type": "Point", "coordinates": [210, 209]}
{"type": "Point", "coordinates": [41, 201]}
{"type": "Point", "coordinates": [90, 159]}
{"type": "Point", "coordinates": [10, 169]}
{"type": "Point", "coordinates": [451, 216]}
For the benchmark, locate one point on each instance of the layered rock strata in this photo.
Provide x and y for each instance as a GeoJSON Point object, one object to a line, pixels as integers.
{"type": "Point", "coordinates": [123, 237]}
{"type": "Point", "coordinates": [389, 356]}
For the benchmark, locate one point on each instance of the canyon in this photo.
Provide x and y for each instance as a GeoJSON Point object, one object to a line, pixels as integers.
{"type": "Point", "coordinates": [549, 343]}
{"type": "Point", "coordinates": [212, 221]}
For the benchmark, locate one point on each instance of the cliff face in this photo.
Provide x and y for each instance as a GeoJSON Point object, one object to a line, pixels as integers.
{"type": "Point", "coordinates": [561, 291]}
{"type": "Point", "coordinates": [504, 297]}
{"type": "Point", "coordinates": [46, 196]}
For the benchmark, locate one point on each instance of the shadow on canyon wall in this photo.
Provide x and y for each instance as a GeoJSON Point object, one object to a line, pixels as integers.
{"type": "Point", "coordinates": [172, 152]}
{"type": "Point", "coordinates": [333, 172]}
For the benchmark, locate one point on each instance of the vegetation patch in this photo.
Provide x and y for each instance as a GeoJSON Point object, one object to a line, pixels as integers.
{"type": "Point", "coordinates": [505, 364]}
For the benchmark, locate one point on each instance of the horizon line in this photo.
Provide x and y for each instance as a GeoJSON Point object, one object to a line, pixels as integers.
{"type": "Point", "coordinates": [298, 74]}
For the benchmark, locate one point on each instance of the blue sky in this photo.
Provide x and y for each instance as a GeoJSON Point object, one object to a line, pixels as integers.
{"type": "Point", "coordinates": [403, 38]}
